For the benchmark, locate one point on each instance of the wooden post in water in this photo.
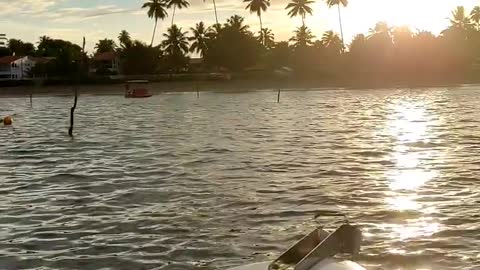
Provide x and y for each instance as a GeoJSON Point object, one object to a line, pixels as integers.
{"type": "Point", "coordinates": [278, 96]}
{"type": "Point", "coordinates": [72, 112]}
{"type": "Point", "coordinates": [198, 91]}
{"type": "Point", "coordinates": [31, 101]}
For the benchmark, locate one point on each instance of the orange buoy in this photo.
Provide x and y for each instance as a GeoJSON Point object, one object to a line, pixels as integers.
{"type": "Point", "coordinates": [7, 121]}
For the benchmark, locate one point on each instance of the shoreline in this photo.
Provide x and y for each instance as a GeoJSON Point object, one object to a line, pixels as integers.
{"type": "Point", "coordinates": [230, 86]}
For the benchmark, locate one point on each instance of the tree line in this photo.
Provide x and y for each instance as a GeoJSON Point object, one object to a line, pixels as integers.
{"type": "Point", "coordinates": [385, 53]}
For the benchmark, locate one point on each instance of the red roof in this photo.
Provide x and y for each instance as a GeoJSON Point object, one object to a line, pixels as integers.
{"type": "Point", "coordinates": [106, 56]}
{"type": "Point", "coordinates": [9, 59]}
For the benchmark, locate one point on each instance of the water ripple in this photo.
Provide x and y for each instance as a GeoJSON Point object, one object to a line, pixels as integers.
{"type": "Point", "coordinates": [176, 182]}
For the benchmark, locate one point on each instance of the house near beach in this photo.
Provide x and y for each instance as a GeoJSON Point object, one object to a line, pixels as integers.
{"type": "Point", "coordinates": [15, 68]}
{"type": "Point", "coordinates": [107, 62]}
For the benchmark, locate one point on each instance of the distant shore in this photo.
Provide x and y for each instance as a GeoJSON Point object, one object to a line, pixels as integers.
{"type": "Point", "coordinates": [213, 86]}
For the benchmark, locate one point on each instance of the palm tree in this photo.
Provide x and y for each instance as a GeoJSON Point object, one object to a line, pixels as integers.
{"type": "Point", "coordinates": [332, 41]}
{"type": "Point", "coordinates": [199, 39]}
{"type": "Point", "coordinates": [460, 20]}
{"type": "Point", "coordinates": [16, 46]}
{"type": "Point", "coordinates": [424, 35]}
{"type": "Point", "coordinates": [300, 7]}
{"type": "Point", "coordinates": [177, 4]}
{"type": "Point", "coordinates": [358, 43]}
{"type": "Point", "coordinates": [380, 28]}
{"type": "Point", "coordinates": [258, 6]}
{"type": "Point", "coordinates": [176, 41]}
{"type": "Point", "coordinates": [156, 10]}
{"type": "Point", "coordinates": [215, 9]}
{"type": "Point", "coordinates": [43, 40]}
{"type": "Point", "coordinates": [402, 34]}
{"type": "Point", "coordinates": [124, 39]}
{"type": "Point", "coordinates": [475, 16]}
{"type": "Point", "coordinates": [424, 40]}
{"type": "Point", "coordinates": [303, 37]}
{"type": "Point", "coordinates": [331, 3]}
{"type": "Point", "coordinates": [43, 44]}
{"type": "Point", "coordinates": [236, 23]}
{"type": "Point", "coordinates": [380, 37]}
{"type": "Point", "coordinates": [213, 31]}
{"type": "Point", "coordinates": [105, 45]}
{"type": "Point", "coordinates": [268, 38]}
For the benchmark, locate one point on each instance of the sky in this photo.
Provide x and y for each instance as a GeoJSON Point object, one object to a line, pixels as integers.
{"type": "Point", "coordinates": [73, 19]}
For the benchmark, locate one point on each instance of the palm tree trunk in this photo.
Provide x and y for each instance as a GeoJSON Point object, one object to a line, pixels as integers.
{"type": "Point", "coordinates": [173, 15]}
{"type": "Point", "coordinates": [215, 9]}
{"type": "Point", "coordinates": [341, 27]}
{"type": "Point", "coordinates": [261, 28]}
{"type": "Point", "coordinates": [154, 30]}
{"type": "Point", "coordinates": [303, 20]}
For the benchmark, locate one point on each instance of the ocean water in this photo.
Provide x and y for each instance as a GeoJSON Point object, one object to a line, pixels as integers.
{"type": "Point", "coordinates": [176, 182]}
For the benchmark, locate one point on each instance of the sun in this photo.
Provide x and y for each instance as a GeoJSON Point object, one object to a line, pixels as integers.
{"type": "Point", "coordinates": [429, 15]}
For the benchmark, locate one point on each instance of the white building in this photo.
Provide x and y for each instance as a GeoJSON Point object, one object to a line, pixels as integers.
{"type": "Point", "coordinates": [15, 67]}
{"type": "Point", "coordinates": [3, 41]}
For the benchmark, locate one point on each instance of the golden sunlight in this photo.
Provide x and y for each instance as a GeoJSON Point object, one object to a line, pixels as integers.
{"type": "Point", "coordinates": [405, 160]}
{"type": "Point", "coordinates": [411, 13]}
{"type": "Point", "coordinates": [410, 179]}
{"type": "Point", "coordinates": [428, 15]}
{"type": "Point", "coordinates": [402, 203]}
{"type": "Point", "coordinates": [415, 228]}
{"type": "Point", "coordinates": [407, 122]}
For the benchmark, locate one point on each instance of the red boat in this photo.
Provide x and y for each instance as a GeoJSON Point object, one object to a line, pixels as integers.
{"type": "Point", "coordinates": [137, 89]}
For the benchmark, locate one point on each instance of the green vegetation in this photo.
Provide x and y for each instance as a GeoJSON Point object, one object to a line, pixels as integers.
{"type": "Point", "coordinates": [156, 10]}
{"type": "Point", "coordinates": [385, 54]}
{"type": "Point", "coordinates": [199, 39]}
{"type": "Point", "coordinates": [258, 6]}
{"type": "Point", "coordinates": [66, 59]}
{"type": "Point", "coordinates": [300, 8]}
{"type": "Point", "coordinates": [177, 4]}
{"type": "Point", "coordinates": [331, 3]}
{"type": "Point", "coordinates": [175, 47]}
{"type": "Point", "coordinates": [125, 40]}
{"type": "Point", "coordinates": [18, 47]}
{"type": "Point", "coordinates": [105, 45]}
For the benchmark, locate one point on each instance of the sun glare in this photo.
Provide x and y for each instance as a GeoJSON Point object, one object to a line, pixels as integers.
{"type": "Point", "coordinates": [429, 15]}
{"type": "Point", "coordinates": [409, 123]}
{"type": "Point", "coordinates": [402, 203]}
{"type": "Point", "coordinates": [414, 228]}
{"type": "Point", "coordinates": [410, 179]}
{"type": "Point", "coordinates": [407, 13]}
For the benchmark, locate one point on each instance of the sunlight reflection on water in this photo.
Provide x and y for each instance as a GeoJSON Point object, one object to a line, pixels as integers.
{"type": "Point", "coordinates": [232, 178]}
{"type": "Point", "coordinates": [409, 123]}
{"type": "Point", "coordinates": [411, 179]}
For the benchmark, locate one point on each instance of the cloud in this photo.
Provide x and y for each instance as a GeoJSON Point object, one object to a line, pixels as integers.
{"type": "Point", "coordinates": [106, 10]}
{"type": "Point", "coordinates": [50, 10]}
{"type": "Point", "coordinates": [76, 14]}
{"type": "Point", "coordinates": [139, 12]}
{"type": "Point", "coordinates": [25, 6]}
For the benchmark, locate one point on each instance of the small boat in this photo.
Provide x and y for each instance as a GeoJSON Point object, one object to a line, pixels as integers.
{"type": "Point", "coordinates": [137, 89]}
{"type": "Point", "coordinates": [316, 251]}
